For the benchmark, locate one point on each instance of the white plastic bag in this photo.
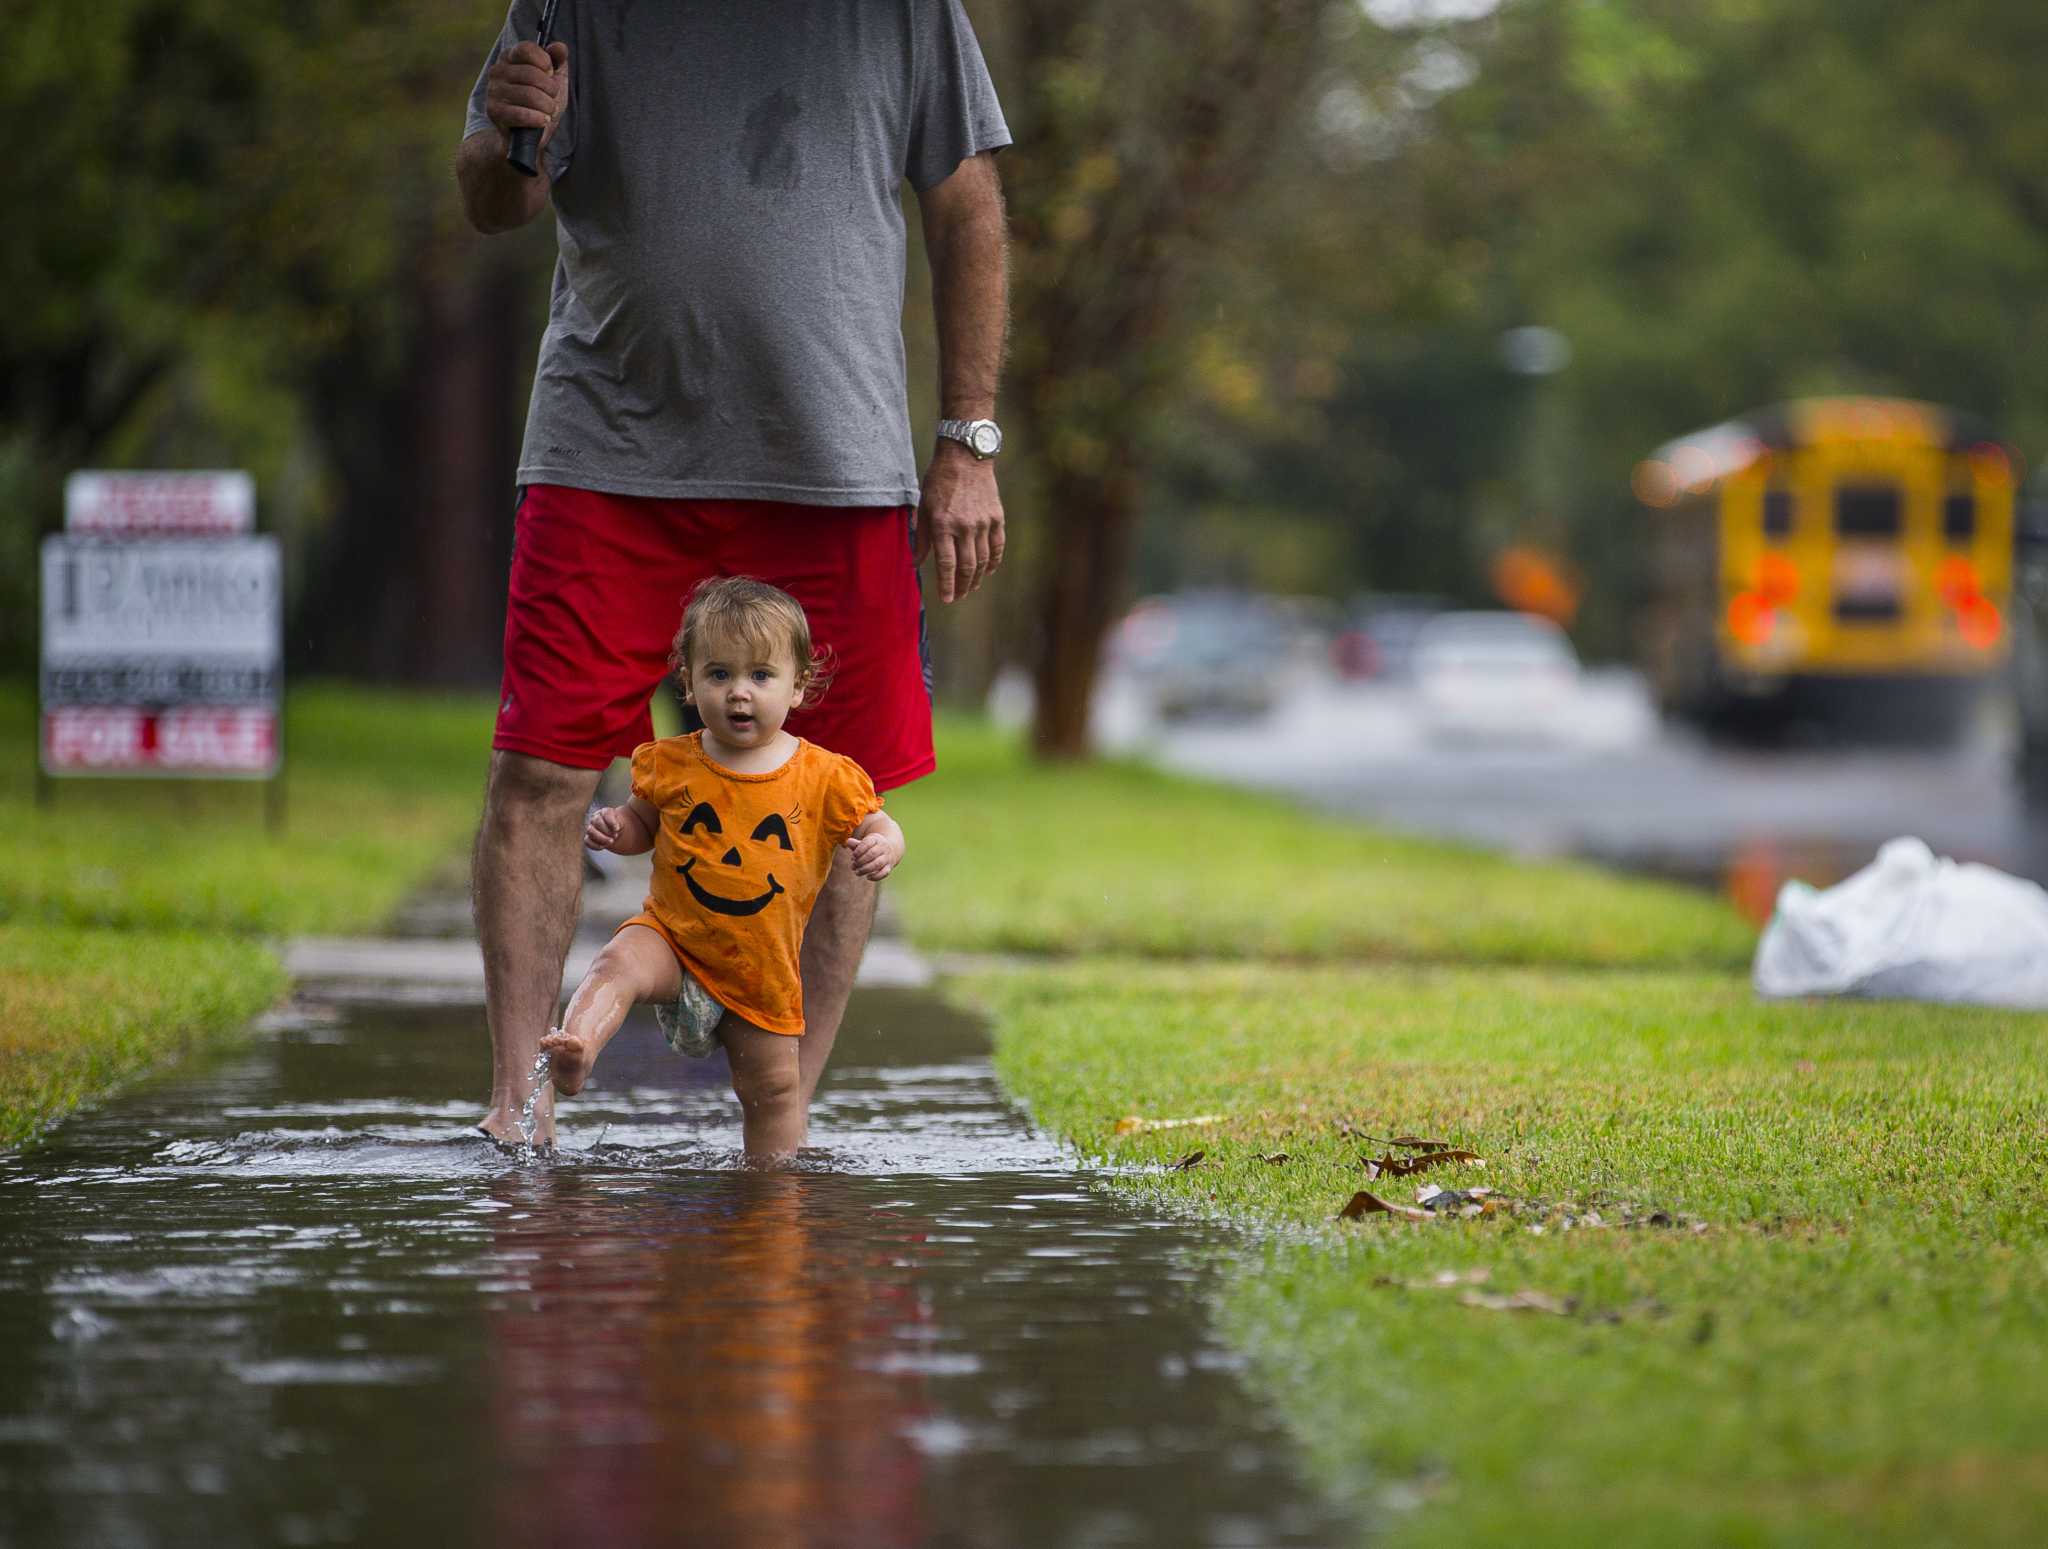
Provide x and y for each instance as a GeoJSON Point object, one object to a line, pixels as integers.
{"type": "Point", "coordinates": [1910, 926]}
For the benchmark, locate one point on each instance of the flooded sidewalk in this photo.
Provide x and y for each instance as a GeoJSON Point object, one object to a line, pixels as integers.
{"type": "Point", "coordinates": [287, 1296]}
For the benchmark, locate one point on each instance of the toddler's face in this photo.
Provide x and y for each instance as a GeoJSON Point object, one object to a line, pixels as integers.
{"type": "Point", "coordinates": [743, 696]}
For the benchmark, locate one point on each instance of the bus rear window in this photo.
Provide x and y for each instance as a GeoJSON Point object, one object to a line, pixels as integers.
{"type": "Point", "coordinates": [1777, 514]}
{"type": "Point", "coordinates": [1868, 511]}
{"type": "Point", "coordinates": [1959, 518]}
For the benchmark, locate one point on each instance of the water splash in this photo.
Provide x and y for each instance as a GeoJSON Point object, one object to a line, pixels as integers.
{"type": "Point", "coordinates": [536, 1079]}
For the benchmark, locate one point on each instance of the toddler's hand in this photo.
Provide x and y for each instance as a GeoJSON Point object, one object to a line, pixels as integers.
{"type": "Point", "coordinates": [604, 829]}
{"type": "Point", "coordinates": [874, 855]}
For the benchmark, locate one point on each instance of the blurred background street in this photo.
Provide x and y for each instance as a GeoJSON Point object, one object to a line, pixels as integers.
{"type": "Point", "coordinates": [1601, 776]}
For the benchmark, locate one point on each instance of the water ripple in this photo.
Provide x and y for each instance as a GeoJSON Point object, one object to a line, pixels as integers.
{"type": "Point", "coordinates": [293, 1297]}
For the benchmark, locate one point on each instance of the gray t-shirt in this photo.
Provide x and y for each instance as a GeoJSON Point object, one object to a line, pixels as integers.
{"type": "Point", "coordinates": [727, 312]}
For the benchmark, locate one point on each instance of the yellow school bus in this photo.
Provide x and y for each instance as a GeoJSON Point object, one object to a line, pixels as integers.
{"type": "Point", "coordinates": [1833, 557]}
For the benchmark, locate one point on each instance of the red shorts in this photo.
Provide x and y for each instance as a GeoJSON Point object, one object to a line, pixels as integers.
{"type": "Point", "coordinates": [598, 585]}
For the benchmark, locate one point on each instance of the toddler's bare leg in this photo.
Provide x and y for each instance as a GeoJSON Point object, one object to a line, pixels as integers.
{"type": "Point", "coordinates": [768, 1080]}
{"type": "Point", "coordinates": [637, 964]}
{"type": "Point", "coordinates": [834, 939]}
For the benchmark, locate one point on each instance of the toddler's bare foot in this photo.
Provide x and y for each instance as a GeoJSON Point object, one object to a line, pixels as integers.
{"type": "Point", "coordinates": [504, 1130]}
{"type": "Point", "coordinates": [569, 1061]}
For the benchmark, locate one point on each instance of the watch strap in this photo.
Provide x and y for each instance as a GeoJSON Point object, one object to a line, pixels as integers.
{"type": "Point", "coordinates": [963, 432]}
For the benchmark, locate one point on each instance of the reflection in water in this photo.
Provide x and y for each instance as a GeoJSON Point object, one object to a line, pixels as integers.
{"type": "Point", "coordinates": [701, 1365]}
{"type": "Point", "coordinates": [286, 1298]}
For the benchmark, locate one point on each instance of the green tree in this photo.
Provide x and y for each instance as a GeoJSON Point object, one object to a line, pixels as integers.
{"type": "Point", "coordinates": [234, 234]}
{"type": "Point", "coordinates": [1141, 131]}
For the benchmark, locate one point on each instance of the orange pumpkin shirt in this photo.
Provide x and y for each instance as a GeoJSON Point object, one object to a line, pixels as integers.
{"type": "Point", "coordinates": [738, 863]}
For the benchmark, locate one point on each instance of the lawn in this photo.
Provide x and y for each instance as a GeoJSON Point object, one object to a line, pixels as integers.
{"type": "Point", "coordinates": [1009, 856]}
{"type": "Point", "coordinates": [380, 789]}
{"type": "Point", "coordinates": [135, 914]}
{"type": "Point", "coordinates": [1748, 1273]}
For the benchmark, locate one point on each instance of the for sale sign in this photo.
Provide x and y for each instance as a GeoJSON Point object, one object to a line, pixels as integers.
{"type": "Point", "coordinates": [161, 656]}
{"type": "Point", "coordinates": [159, 505]}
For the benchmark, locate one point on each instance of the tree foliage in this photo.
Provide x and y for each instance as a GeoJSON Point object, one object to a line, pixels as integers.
{"type": "Point", "coordinates": [1265, 253]}
{"type": "Point", "coordinates": [220, 202]}
{"type": "Point", "coordinates": [1719, 202]}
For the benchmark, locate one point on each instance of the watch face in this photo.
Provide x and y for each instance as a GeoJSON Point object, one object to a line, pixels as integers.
{"type": "Point", "coordinates": [987, 440]}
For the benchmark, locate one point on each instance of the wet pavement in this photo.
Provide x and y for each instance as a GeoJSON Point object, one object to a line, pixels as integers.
{"type": "Point", "coordinates": [1621, 790]}
{"type": "Point", "coordinates": [284, 1297]}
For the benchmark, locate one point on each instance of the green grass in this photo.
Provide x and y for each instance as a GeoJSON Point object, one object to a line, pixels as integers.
{"type": "Point", "coordinates": [1855, 1348]}
{"type": "Point", "coordinates": [1851, 1348]}
{"type": "Point", "coordinates": [1007, 856]}
{"type": "Point", "coordinates": [380, 788]}
{"type": "Point", "coordinates": [82, 1010]}
{"type": "Point", "coordinates": [134, 914]}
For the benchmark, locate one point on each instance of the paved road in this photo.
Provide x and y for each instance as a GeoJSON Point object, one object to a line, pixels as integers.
{"type": "Point", "coordinates": [1614, 785]}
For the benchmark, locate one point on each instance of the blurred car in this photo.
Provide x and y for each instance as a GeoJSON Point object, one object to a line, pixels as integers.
{"type": "Point", "coordinates": [1379, 635]}
{"type": "Point", "coordinates": [1495, 677]}
{"type": "Point", "coordinates": [1207, 653]}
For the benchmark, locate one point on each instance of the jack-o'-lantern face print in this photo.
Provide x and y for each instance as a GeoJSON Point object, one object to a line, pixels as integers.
{"type": "Point", "coordinates": [734, 890]}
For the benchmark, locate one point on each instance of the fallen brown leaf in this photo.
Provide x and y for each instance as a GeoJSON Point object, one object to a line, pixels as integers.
{"type": "Point", "coordinates": [1362, 1204]}
{"type": "Point", "coordinates": [1131, 1124]}
{"type": "Point", "coordinates": [1188, 1161]}
{"type": "Point", "coordinates": [1274, 1158]}
{"type": "Point", "coordinates": [1410, 1142]}
{"type": "Point", "coordinates": [1404, 1166]}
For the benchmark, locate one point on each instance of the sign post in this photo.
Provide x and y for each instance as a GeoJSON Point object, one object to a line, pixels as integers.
{"type": "Point", "coordinates": [163, 633]}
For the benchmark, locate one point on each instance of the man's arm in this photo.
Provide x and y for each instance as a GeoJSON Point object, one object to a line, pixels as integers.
{"type": "Point", "coordinates": [966, 237]}
{"type": "Point", "coordinates": [526, 89]}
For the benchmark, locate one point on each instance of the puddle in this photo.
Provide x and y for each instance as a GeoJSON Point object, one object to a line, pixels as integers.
{"type": "Point", "coordinates": [286, 1298]}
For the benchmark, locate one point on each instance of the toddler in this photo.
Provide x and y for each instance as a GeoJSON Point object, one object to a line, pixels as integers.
{"type": "Point", "coordinates": [743, 819]}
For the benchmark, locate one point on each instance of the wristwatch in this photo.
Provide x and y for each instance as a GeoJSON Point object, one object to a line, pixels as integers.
{"type": "Point", "coordinates": [984, 438]}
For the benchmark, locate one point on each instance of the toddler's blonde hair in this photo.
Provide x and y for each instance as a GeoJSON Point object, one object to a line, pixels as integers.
{"type": "Point", "coordinates": [763, 618]}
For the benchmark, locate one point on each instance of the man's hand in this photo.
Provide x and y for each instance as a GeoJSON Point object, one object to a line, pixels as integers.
{"type": "Point", "coordinates": [960, 519]}
{"type": "Point", "coordinates": [528, 89]}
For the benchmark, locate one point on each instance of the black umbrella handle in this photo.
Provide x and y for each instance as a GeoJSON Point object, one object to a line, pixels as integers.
{"type": "Point", "coordinates": [524, 150]}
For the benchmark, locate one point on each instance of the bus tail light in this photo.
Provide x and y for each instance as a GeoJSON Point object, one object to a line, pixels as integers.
{"type": "Point", "coordinates": [1777, 580]}
{"type": "Point", "coordinates": [1979, 622]}
{"type": "Point", "coordinates": [1751, 619]}
{"type": "Point", "coordinates": [1957, 582]}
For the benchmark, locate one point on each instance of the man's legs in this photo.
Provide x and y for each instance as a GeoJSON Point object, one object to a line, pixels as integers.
{"type": "Point", "coordinates": [526, 882]}
{"type": "Point", "coordinates": [837, 934]}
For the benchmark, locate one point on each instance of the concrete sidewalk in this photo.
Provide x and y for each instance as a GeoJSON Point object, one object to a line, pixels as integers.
{"type": "Point", "coordinates": [438, 962]}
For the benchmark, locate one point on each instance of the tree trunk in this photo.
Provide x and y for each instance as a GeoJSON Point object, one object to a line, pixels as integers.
{"type": "Point", "coordinates": [1130, 156]}
{"type": "Point", "coordinates": [1094, 521]}
{"type": "Point", "coordinates": [411, 574]}
{"type": "Point", "coordinates": [463, 456]}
